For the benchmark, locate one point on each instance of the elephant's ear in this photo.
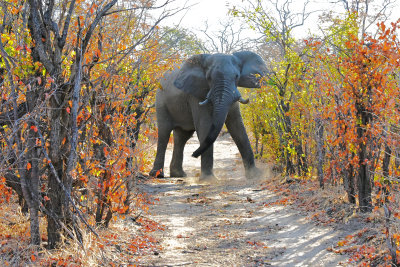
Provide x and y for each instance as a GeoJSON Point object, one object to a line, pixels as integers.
{"type": "Point", "coordinates": [191, 76]}
{"type": "Point", "coordinates": [253, 69]}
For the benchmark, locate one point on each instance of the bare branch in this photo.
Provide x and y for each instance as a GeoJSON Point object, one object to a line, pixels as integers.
{"type": "Point", "coordinates": [227, 38]}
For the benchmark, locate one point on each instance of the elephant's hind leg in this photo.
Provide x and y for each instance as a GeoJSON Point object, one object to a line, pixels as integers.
{"type": "Point", "coordinates": [180, 138]}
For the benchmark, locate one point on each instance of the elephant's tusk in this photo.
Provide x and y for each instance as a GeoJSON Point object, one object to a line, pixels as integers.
{"type": "Point", "coordinates": [204, 102]}
{"type": "Point", "coordinates": [243, 101]}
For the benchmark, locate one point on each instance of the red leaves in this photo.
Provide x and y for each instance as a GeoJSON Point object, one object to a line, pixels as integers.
{"type": "Point", "coordinates": [282, 201]}
{"type": "Point", "coordinates": [105, 150]}
{"type": "Point", "coordinates": [257, 244]}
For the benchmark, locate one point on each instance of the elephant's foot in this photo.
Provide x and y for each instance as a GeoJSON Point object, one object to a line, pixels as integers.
{"type": "Point", "coordinates": [157, 173]}
{"type": "Point", "coordinates": [208, 178]}
{"type": "Point", "coordinates": [177, 173]}
{"type": "Point", "coordinates": [254, 173]}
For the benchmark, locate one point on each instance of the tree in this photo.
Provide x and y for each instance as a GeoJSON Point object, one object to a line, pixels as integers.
{"type": "Point", "coordinates": [227, 38]}
{"type": "Point", "coordinates": [325, 102]}
{"type": "Point", "coordinates": [181, 41]}
{"type": "Point", "coordinates": [83, 68]}
{"type": "Point", "coordinates": [285, 58]}
{"type": "Point", "coordinates": [361, 89]}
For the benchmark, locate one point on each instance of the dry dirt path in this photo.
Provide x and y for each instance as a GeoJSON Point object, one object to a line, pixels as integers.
{"type": "Point", "coordinates": [227, 224]}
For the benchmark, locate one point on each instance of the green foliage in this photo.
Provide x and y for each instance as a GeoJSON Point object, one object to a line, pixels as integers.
{"type": "Point", "coordinates": [181, 41]}
{"type": "Point", "coordinates": [281, 105]}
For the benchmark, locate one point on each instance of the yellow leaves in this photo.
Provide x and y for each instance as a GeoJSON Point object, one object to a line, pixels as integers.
{"type": "Point", "coordinates": [96, 172]}
{"type": "Point", "coordinates": [342, 243]}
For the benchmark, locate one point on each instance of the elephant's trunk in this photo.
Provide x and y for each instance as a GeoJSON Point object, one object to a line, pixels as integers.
{"type": "Point", "coordinates": [219, 116]}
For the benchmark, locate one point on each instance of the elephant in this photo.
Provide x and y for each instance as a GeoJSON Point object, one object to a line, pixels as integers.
{"type": "Point", "coordinates": [201, 95]}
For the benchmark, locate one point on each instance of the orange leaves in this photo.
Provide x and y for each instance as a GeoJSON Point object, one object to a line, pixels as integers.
{"type": "Point", "coordinates": [105, 150]}
{"type": "Point", "coordinates": [28, 166]}
{"type": "Point", "coordinates": [107, 117]}
{"type": "Point", "coordinates": [257, 244]}
{"type": "Point", "coordinates": [282, 201]}
{"type": "Point", "coordinates": [93, 8]}
{"type": "Point", "coordinates": [149, 225]}
{"type": "Point", "coordinates": [5, 192]}
{"type": "Point", "coordinates": [359, 97]}
{"type": "Point", "coordinates": [34, 128]}
{"type": "Point", "coordinates": [128, 244]}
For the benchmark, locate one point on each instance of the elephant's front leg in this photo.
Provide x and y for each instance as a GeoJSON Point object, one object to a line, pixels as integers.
{"type": "Point", "coordinates": [202, 120]}
{"type": "Point", "coordinates": [207, 162]}
{"type": "Point", "coordinates": [235, 126]}
{"type": "Point", "coordinates": [180, 138]}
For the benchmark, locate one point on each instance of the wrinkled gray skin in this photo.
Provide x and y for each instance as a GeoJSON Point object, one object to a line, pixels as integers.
{"type": "Point", "coordinates": [202, 95]}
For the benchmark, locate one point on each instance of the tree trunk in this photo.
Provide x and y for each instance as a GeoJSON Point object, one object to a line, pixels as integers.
{"type": "Point", "coordinates": [385, 170]}
{"type": "Point", "coordinates": [302, 166]}
{"type": "Point", "coordinates": [349, 185]}
{"type": "Point", "coordinates": [320, 150]}
{"type": "Point", "coordinates": [34, 190]}
{"type": "Point", "coordinates": [31, 175]}
{"type": "Point", "coordinates": [364, 183]}
{"type": "Point", "coordinates": [55, 205]}
{"type": "Point", "coordinates": [58, 201]}
{"type": "Point", "coordinates": [103, 190]}
{"type": "Point", "coordinates": [256, 144]}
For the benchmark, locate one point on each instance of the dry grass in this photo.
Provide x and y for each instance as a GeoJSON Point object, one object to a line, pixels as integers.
{"type": "Point", "coordinates": [123, 243]}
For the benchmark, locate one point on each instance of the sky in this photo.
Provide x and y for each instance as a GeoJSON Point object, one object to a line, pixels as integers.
{"type": "Point", "coordinates": [215, 10]}
{"type": "Point", "coordinates": [202, 10]}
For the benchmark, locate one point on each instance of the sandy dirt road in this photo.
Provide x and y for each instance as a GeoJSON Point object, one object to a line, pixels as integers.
{"type": "Point", "coordinates": [228, 223]}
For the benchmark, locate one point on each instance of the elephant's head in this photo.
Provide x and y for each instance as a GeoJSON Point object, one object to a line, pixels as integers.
{"type": "Point", "coordinates": [214, 79]}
